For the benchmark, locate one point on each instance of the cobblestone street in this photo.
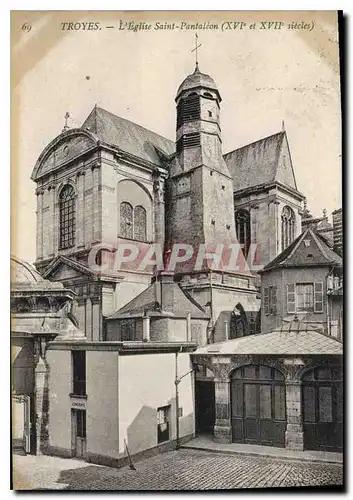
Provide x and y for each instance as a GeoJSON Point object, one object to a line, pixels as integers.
{"type": "Point", "coordinates": [176, 470]}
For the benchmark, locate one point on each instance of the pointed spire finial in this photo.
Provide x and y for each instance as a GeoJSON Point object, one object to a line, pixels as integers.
{"type": "Point", "coordinates": [324, 213]}
{"type": "Point", "coordinates": [283, 127]}
{"type": "Point", "coordinates": [67, 116]}
{"type": "Point", "coordinates": [197, 46]}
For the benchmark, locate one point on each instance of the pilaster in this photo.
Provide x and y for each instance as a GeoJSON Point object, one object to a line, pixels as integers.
{"type": "Point", "coordinates": [80, 176]}
{"type": "Point", "coordinates": [294, 437]}
{"type": "Point", "coordinates": [96, 206]}
{"type": "Point", "coordinates": [39, 240]}
{"type": "Point", "coordinates": [41, 397]}
{"type": "Point", "coordinates": [222, 431]}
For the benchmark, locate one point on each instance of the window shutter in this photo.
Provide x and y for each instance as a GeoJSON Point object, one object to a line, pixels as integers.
{"type": "Point", "coordinates": [273, 305]}
{"type": "Point", "coordinates": [318, 297]}
{"type": "Point", "coordinates": [266, 300]}
{"type": "Point", "coordinates": [291, 298]}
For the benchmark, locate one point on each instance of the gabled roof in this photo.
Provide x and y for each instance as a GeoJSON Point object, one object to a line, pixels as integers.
{"type": "Point", "coordinates": [178, 303]}
{"type": "Point", "coordinates": [307, 250]}
{"type": "Point", "coordinates": [128, 136]}
{"type": "Point", "coordinates": [285, 340]}
{"type": "Point", "coordinates": [262, 162]}
{"type": "Point", "coordinates": [61, 260]}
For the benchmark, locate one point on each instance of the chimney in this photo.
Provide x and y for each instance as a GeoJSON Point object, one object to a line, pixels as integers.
{"type": "Point", "coordinates": [166, 288]}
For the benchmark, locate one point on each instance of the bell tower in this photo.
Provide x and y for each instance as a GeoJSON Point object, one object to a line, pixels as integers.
{"type": "Point", "coordinates": [200, 208]}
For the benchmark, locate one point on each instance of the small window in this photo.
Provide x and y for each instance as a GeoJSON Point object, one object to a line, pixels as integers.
{"type": "Point", "coordinates": [79, 373]}
{"type": "Point", "coordinates": [210, 114]}
{"type": "Point", "coordinates": [127, 329]}
{"type": "Point", "coordinates": [305, 297]}
{"type": "Point", "coordinates": [270, 300]}
{"type": "Point", "coordinates": [163, 423]}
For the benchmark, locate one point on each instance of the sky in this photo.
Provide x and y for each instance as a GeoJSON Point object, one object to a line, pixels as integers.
{"type": "Point", "coordinates": [265, 76]}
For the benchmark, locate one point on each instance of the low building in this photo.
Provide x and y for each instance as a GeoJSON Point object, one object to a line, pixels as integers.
{"type": "Point", "coordinates": [282, 388]}
{"type": "Point", "coordinates": [298, 283]}
{"type": "Point", "coordinates": [115, 398]}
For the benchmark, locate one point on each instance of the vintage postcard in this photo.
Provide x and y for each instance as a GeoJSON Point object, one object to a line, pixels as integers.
{"type": "Point", "coordinates": [177, 245]}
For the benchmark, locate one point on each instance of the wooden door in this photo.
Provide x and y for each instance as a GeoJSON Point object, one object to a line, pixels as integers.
{"type": "Point", "coordinates": [79, 430]}
{"type": "Point", "coordinates": [258, 406]}
{"type": "Point", "coordinates": [322, 400]}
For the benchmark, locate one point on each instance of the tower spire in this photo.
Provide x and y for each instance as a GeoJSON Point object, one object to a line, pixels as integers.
{"type": "Point", "coordinates": [197, 46]}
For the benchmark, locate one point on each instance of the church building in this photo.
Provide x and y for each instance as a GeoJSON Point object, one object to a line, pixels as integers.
{"type": "Point", "coordinates": [111, 190]}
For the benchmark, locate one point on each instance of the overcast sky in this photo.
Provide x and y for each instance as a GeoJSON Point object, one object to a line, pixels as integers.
{"type": "Point", "coordinates": [264, 77]}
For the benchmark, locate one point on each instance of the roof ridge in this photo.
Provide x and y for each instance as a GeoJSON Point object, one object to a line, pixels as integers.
{"type": "Point", "coordinates": [254, 142]}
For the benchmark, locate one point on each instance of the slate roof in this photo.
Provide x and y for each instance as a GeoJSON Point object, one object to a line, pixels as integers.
{"type": "Point", "coordinates": [298, 340]}
{"type": "Point", "coordinates": [257, 163]}
{"type": "Point", "coordinates": [128, 136]}
{"type": "Point", "coordinates": [195, 80]}
{"type": "Point", "coordinates": [298, 255]}
{"type": "Point", "coordinates": [146, 301]}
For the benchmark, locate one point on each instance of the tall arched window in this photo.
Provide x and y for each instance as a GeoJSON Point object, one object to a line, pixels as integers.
{"type": "Point", "coordinates": [140, 223]}
{"type": "Point", "coordinates": [67, 217]}
{"type": "Point", "coordinates": [288, 226]}
{"type": "Point", "coordinates": [242, 227]}
{"type": "Point", "coordinates": [126, 220]}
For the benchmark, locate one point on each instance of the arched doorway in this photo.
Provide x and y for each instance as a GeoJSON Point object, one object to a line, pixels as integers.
{"type": "Point", "coordinates": [258, 402]}
{"type": "Point", "coordinates": [205, 409]}
{"type": "Point", "coordinates": [322, 399]}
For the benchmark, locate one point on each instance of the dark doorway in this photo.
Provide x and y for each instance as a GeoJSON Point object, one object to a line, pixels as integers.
{"type": "Point", "coordinates": [205, 406]}
{"type": "Point", "coordinates": [322, 399]}
{"type": "Point", "coordinates": [258, 406]}
{"type": "Point", "coordinates": [79, 433]}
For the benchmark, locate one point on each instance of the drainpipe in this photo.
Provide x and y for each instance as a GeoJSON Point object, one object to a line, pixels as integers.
{"type": "Point", "coordinates": [177, 382]}
{"type": "Point", "coordinates": [328, 315]}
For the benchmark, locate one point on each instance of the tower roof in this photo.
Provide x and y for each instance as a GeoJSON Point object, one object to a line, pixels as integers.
{"type": "Point", "coordinates": [196, 80]}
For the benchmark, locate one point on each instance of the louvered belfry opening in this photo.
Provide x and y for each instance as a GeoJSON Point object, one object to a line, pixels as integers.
{"type": "Point", "coordinates": [188, 109]}
{"type": "Point", "coordinates": [188, 141]}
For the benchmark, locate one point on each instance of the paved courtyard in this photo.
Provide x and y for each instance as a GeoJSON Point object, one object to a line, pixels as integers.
{"type": "Point", "coordinates": [177, 470]}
